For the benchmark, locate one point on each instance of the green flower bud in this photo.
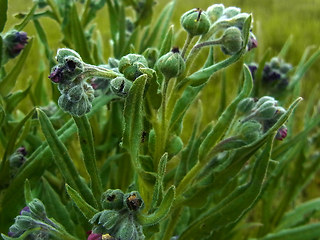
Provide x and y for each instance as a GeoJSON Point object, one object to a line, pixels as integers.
{"type": "Point", "coordinates": [128, 230]}
{"type": "Point", "coordinates": [275, 63]}
{"type": "Point", "coordinates": [195, 22]}
{"type": "Point", "coordinates": [171, 64]}
{"type": "Point", "coordinates": [265, 99]}
{"type": "Point", "coordinates": [250, 131]}
{"type": "Point", "coordinates": [128, 65]}
{"type": "Point", "coordinates": [80, 108]}
{"type": "Point", "coordinates": [285, 68]}
{"type": "Point", "coordinates": [215, 11]}
{"type": "Point", "coordinates": [120, 86]}
{"type": "Point", "coordinates": [133, 201]}
{"type": "Point", "coordinates": [151, 54]}
{"type": "Point", "coordinates": [112, 199]}
{"type": "Point", "coordinates": [113, 63]}
{"type": "Point", "coordinates": [108, 219]}
{"type": "Point", "coordinates": [24, 222]}
{"type": "Point", "coordinates": [75, 93]}
{"type": "Point", "coordinates": [174, 146]}
{"type": "Point", "coordinates": [232, 41]}
{"type": "Point", "coordinates": [231, 12]}
{"type": "Point", "coordinates": [245, 106]}
{"type": "Point", "coordinates": [37, 208]}
{"type": "Point", "coordinates": [62, 53]}
{"type": "Point", "coordinates": [266, 111]}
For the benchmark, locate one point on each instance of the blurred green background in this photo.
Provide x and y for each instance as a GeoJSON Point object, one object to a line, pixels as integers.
{"type": "Point", "coordinates": [274, 22]}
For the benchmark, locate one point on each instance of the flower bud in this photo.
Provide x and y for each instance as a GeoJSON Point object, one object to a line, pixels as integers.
{"type": "Point", "coordinates": [195, 22]}
{"type": "Point", "coordinates": [62, 53]}
{"type": "Point", "coordinates": [265, 99]}
{"type": "Point", "coordinates": [266, 111]}
{"type": "Point", "coordinates": [94, 236]}
{"type": "Point", "coordinates": [232, 41]}
{"type": "Point", "coordinates": [120, 86]}
{"type": "Point", "coordinates": [252, 42]}
{"type": "Point", "coordinates": [231, 12]}
{"type": "Point", "coordinates": [112, 199]}
{"type": "Point", "coordinates": [275, 63]}
{"type": "Point", "coordinates": [14, 42]}
{"type": "Point", "coordinates": [128, 65]}
{"type": "Point", "coordinates": [37, 209]}
{"type": "Point", "coordinates": [245, 106]}
{"type": "Point", "coordinates": [174, 146]}
{"type": "Point", "coordinates": [127, 230]}
{"type": "Point", "coordinates": [108, 219]}
{"type": "Point", "coordinates": [151, 54]}
{"type": "Point", "coordinates": [215, 11]}
{"type": "Point", "coordinates": [133, 201]}
{"type": "Point", "coordinates": [285, 68]}
{"type": "Point", "coordinates": [282, 133]}
{"type": "Point", "coordinates": [171, 64]}
{"type": "Point", "coordinates": [250, 131]}
{"type": "Point", "coordinates": [75, 93]}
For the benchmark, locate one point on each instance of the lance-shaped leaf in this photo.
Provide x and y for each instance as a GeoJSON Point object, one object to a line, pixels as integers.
{"type": "Point", "coordinates": [234, 206]}
{"type": "Point", "coordinates": [3, 13]}
{"type": "Point", "coordinates": [87, 210]}
{"type": "Point", "coordinates": [158, 187]}
{"type": "Point", "coordinates": [299, 213]}
{"type": "Point", "coordinates": [63, 160]}
{"type": "Point", "coordinates": [162, 211]}
{"type": "Point", "coordinates": [9, 81]}
{"type": "Point", "coordinates": [167, 42]}
{"type": "Point", "coordinates": [306, 232]}
{"type": "Point", "coordinates": [133, 118]}
{"type": "Point", "coordinates": [2, 115]}
{"type": "Point", "coordinates": [27, 19]}
{"type": "Point", "coordinates": [89, 156]}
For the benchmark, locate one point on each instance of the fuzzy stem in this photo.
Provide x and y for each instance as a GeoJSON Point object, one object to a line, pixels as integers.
{"type": "Point", "coordinates": [186, 45]}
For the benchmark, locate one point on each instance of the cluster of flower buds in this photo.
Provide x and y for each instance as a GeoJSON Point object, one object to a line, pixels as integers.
{"type": "Point", "coordinates": [17, 159]}
{"type": "Point", "coordinates": [216, 19]}
{"type": "Point", "coordinates": [275, 76]}
{"type": "Point", "coordinates": [258, 116]}
{"type": "Point", "coordinates": [118, 220]}
{"type": "Point", "coordinates": [71, 74]}
{"type": "Point", "coordinates": [32, 216]}
{"type": "Point", "coordinates": [13, 43]}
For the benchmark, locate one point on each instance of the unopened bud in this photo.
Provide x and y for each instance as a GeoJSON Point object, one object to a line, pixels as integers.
{"type": "Point", "coordinates": [231, 12]}
{"type": "Point", "coordinates": [215, 11]}
{"type": "Point", "coordinates": [232, 41]}
{"type": "Point", "coordinates": [128, 65]}
{"type": "Point", "coordinates": [171, 64]}
{"type": "Point", "coordinates": [120, 86]}
{"type": "Point", "coordinates": [112, 199]}
{"type": "Point", "coordinates": [195, 22]}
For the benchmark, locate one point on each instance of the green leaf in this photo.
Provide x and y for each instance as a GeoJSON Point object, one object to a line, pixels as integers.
{"type": "Point", "coordinates": [161, 212]}
{"type": "Point", "coordinates": [27, 192]}
{"type": "Point", "coordinates": [158, 187]}
{"type": "Point", "coordinates": [89, 156]}
{"type": "Point", "coordinates": [79, 39]}
{"type": "Point", "coordinates": [167, 42]}
{"type": "Point", "coordinates": [234, 206]}
{"type": "Point", "coordinates": [299, 213]}
{"type": "Point", "coordinates": [283, 52]}
{"type": "Point", "coordinates": [27, 19]}
{"type": "Point", "coordinates": [9, 81]}
{"type": "Point", "coordinates": [3, 13]}
{"type": "Point", "coordinates": [2, 115]}
{"type": "Point", "coordinates": [306, 232]}
{"type": "Point", "coordinates": [63, 160]}
{"type": "Point", "coordinates": [162, 20]}
{"type": "Point", "coordinates": [55, 207]}
{"type": "Point", "coordinates": [133, 119]}
{"type": "Point", "coordinates": [14, 99]}
{"type": "Point", "coordinates": [226, 117]}
{"type": "Point", "coordinates": [87, 210]}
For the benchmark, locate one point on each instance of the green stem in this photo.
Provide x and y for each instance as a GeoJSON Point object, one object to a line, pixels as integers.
{"type": "Point", "coordinates": [186, 45]}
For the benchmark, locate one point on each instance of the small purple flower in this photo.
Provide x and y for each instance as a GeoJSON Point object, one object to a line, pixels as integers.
{"type": "Point", "coordinates": [253, 68]}
{"type": "Point", "coordinates": [25, 209]}
{"type": "Point", "coordinates": [94, 236]}
{"type": "Point", "coordinates": [282, 133]}
{"type": "Point", "coordinates": [22, 150]}
{"type": "Point", "coordinates": [56, 75]}
{"type": "Point", "coordinates": [252, 43]}
{"type": "Point", "coordinates": [15, 42]}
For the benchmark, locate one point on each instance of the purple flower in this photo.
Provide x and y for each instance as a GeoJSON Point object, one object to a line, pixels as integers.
{"type": "Point", "coordinates": [252, 43]}
{"type": "Point", "coordinates": [14, 42]}
{"type": "Point", "coordinates": [56, 75]}
{"type": "Point", "coordinates": [94, 236]}
{"type": "Point", "coordinates": [282, 133]}
{"type": "Point", "coordinates": [25, 209]}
